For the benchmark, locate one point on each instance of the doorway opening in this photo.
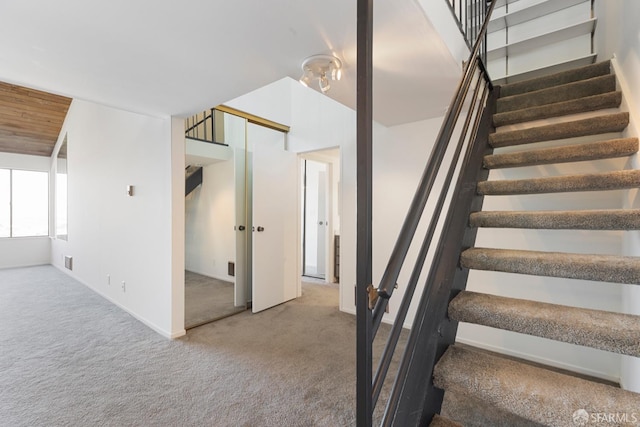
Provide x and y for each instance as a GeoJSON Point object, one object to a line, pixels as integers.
{"type": "Point", "coordinates": [320, 172]}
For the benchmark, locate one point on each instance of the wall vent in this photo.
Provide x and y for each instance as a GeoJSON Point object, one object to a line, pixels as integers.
{"type": "Point", "coordinates": [231, 269]}
{"type": "Point", "coordinates": [68, 262]}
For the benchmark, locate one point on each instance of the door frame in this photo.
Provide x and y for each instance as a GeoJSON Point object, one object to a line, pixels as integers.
{"type": "Point", "coordinates": [318, 156]}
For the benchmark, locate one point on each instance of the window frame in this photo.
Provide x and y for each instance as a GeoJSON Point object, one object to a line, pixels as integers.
{"type": "Point", "coordinates": [11, 193]}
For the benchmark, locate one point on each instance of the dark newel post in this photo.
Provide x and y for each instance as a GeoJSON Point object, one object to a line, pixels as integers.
{"type": "Point", "coordinates": [364, 144]}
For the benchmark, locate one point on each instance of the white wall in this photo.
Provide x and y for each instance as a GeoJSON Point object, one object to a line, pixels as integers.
{"type": "Point", "coordinates": [24, 251]}
{"type": "Point", "coordinates": [317, 122]}
{"type": "Point", "coordinates": [400, 153]}
{"type": "Point", "coordinates": [113, 237]}
{"type": "Point", "coordinates": [533, 57]}
{"type": "Point", "coordinates": [210, 218]}
{"type": "Point", "coordinates": [618, 37]}
{"type": "Point", "coordinates": [439, 14]}
{"type": "Point", "coordinates": [176, 182]}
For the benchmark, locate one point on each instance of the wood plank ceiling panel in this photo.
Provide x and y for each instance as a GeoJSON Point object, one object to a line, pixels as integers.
{"type": "Point", "coordinates": [30, 120]}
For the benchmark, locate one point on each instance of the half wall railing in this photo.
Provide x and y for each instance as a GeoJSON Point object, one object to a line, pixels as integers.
{"type": "Point", "coordinates": [207, 126]}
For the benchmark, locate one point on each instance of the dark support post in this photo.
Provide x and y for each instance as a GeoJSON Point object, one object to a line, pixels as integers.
{"type": "Point", "coordinates": [364, 95]}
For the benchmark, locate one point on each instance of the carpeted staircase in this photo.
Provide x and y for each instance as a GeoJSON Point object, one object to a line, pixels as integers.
{"type": "Point", "coordinates": [488, 389]}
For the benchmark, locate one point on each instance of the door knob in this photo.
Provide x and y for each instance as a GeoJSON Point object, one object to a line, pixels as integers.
{"type": "Point", "coordinates": [260, 228]}
{"type": "Point", "coordinates": [241, 228]}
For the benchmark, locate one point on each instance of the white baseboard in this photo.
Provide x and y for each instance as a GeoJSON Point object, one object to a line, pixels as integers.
{"type": "Point", "coordinates": [147, 322]}
{"type": "Point", "coordinates": [37, 264]}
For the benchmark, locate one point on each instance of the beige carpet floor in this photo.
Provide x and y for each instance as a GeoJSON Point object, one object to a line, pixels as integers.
{"type": "Point", "coordinates": [70, 358]}
{"type": "Point", "coordinates": [207, 299]}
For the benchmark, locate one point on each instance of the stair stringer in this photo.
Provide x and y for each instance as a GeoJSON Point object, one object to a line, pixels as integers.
{"type": "Point", "coordinates": [432, 332]}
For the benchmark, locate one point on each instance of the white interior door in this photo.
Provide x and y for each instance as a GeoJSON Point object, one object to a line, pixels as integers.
{"type": "Point", "coordinates": [316, 218]}
{"type": "Point", "coordinates": [323, 223]}
{"type": "Point", "coordinates": [274, 225]}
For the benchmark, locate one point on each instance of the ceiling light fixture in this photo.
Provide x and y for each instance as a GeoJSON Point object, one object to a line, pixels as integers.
{"type": "Point", "coordinates": [321, 68]}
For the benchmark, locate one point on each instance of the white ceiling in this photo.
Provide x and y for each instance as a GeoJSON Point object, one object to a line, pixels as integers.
{"type": "Point", "coordinates": [165, 57]}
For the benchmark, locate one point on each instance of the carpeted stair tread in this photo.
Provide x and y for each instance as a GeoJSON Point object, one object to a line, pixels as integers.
{"type": "Point", "coordinates": [471, 412]}
{"type": "Point", "coordinates": [569, 153]}
{"type": "Point", "coordinates": [533, 393]}
{"type": "Point", "coordinates": [615, 122]}
{"type": "Point", "coordinates": [615, 180]}
{"type": "Point", "coordinates": [439, 421]}
{"type": "Point", "coordinates": [604, 219]}
{"type": "Point", "coordinates": [561, 93]}
{"type": "Point", "coordinates": [604, 268]}
{"type": "Point", "coordinates": [564, 108]}
{"type": "Point", "coordinates": [560, 78]}
{"type": "Point", "coordinates": [609, 331]}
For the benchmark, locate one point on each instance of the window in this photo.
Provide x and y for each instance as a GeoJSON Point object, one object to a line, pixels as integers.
{"type": "Point", "coordinates": [61, 191]}
{"type": "Point", "coordinates": [5, 202]}
{"type": "Point", "coordinates": [24, 203]}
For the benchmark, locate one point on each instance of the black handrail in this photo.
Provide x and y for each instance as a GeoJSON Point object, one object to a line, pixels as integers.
{"type": "Point", "coordinates": [434, 280]}
{"type": "Point", "coordinates": [367, 397]}
{"type": "Point", "coordinates": [401, 315]}
{"type": "Point", "coordinates": [193, 125]}
{"type": "Point", "coordinates": [401, 248]}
